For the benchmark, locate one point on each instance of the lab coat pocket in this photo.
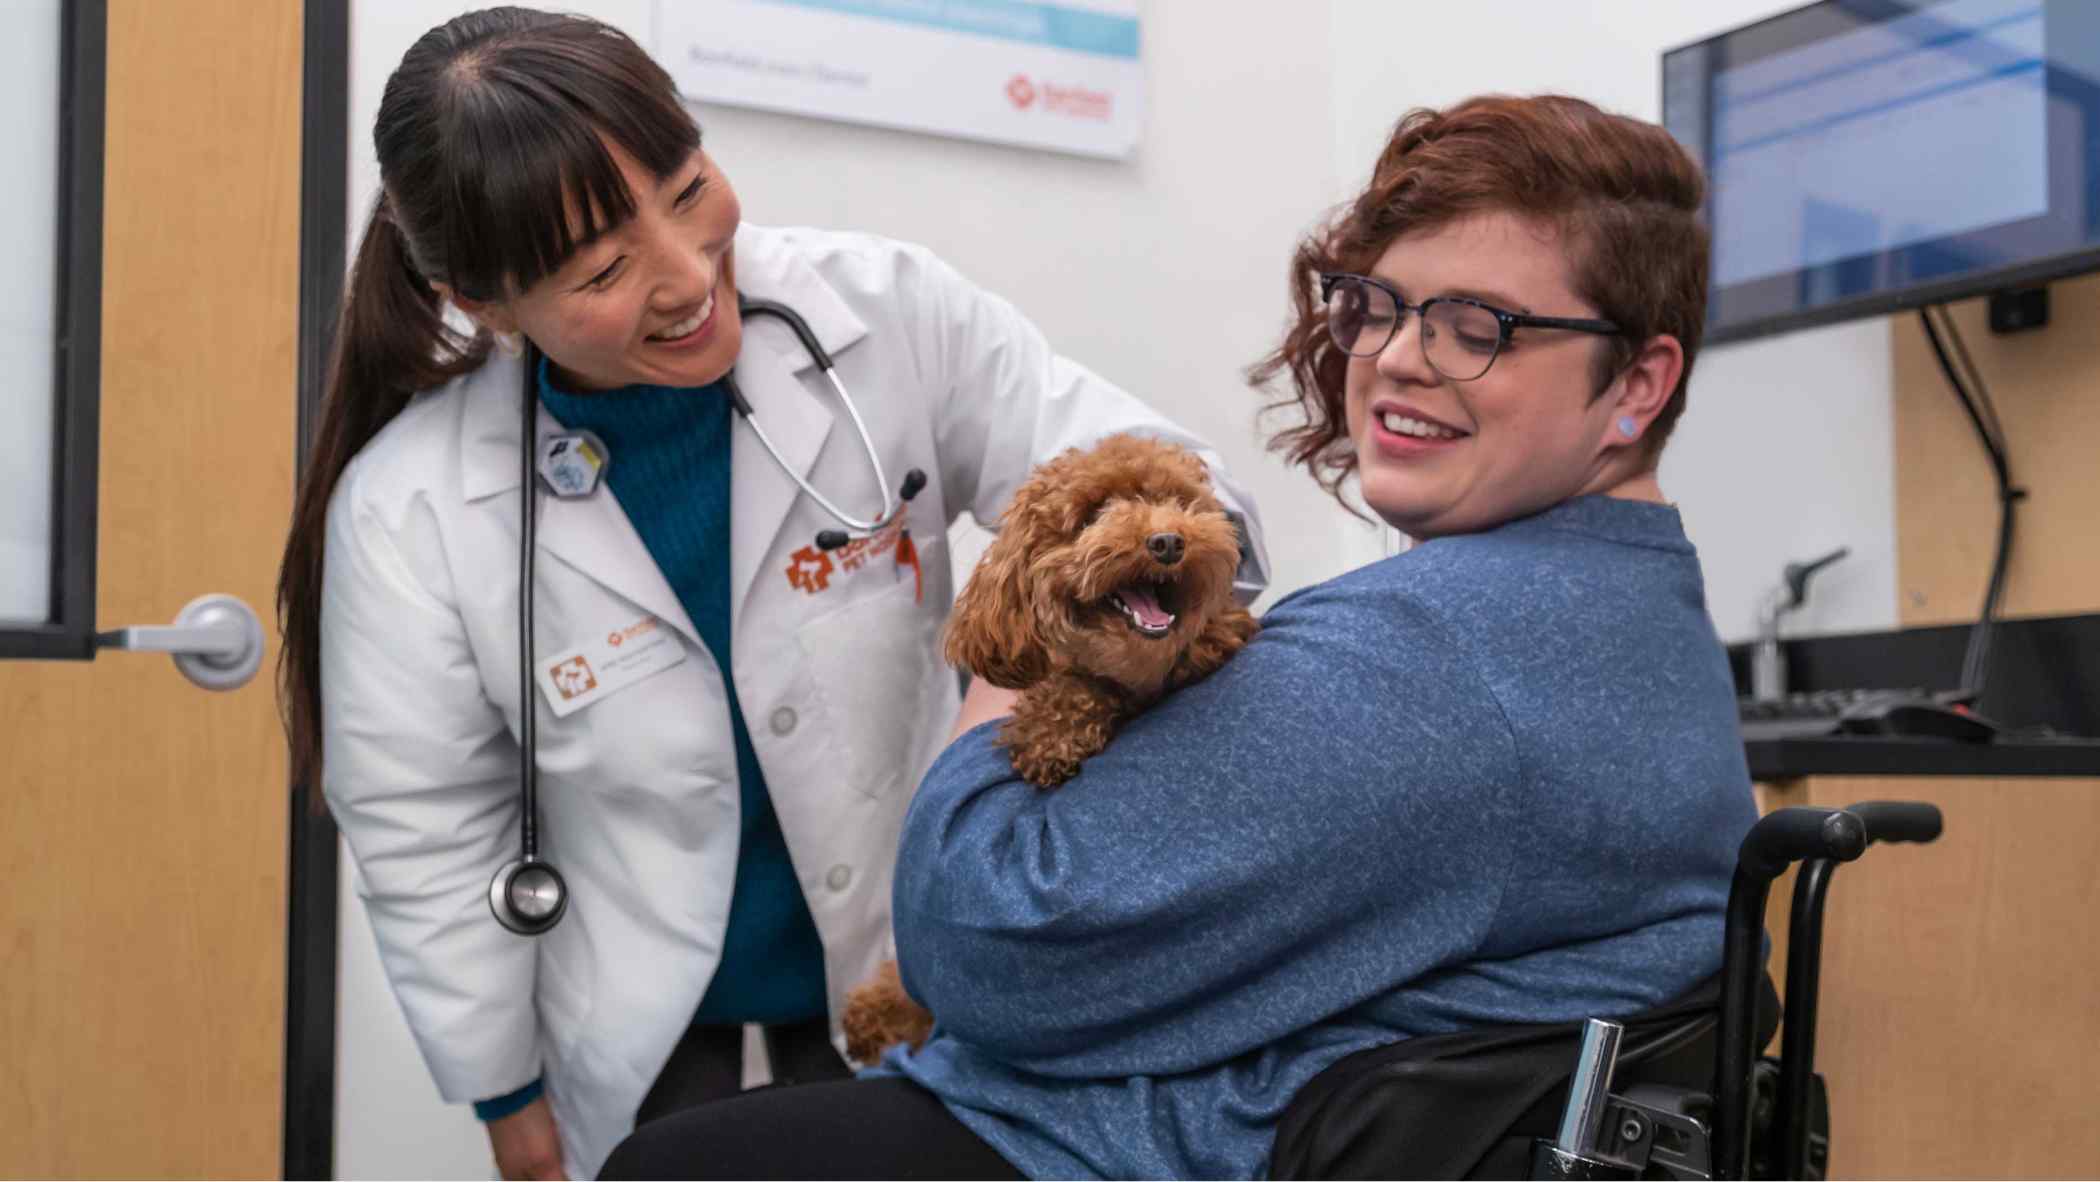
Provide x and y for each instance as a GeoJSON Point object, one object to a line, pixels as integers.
{"type": "Point", "coordinates": [875, 668]}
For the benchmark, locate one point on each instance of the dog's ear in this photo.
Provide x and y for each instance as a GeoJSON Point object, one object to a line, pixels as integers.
{"type": "Point", "coordinates": [995, 632]}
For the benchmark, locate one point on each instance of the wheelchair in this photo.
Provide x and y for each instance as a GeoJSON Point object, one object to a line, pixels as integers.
{"type": "Point", "coordinates": [1676, 1092]}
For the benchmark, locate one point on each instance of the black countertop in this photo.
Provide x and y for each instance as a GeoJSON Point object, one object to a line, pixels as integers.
{"type": "Point", "coordinates": [1878, 755]}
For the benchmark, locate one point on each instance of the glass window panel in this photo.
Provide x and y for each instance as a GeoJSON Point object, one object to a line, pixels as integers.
{"type": "Point", "coordinates": [29, 92]}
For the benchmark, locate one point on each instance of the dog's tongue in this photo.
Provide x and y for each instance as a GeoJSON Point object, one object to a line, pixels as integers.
{"type": "Point", "coordinates": [1146, 606]}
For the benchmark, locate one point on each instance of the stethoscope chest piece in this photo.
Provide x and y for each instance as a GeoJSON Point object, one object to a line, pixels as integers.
{"type": "Point", "coordinates": [528, 896]}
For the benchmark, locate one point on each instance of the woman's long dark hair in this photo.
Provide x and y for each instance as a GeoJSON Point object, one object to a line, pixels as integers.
{"type": "Point", "coordinates": [493, 170]}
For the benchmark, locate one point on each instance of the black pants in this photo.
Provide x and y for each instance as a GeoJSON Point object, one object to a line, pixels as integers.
{"type": "Point", "coordinates": [708, 1064]}
{"type": "Point", "coordinates": [849, 1128]}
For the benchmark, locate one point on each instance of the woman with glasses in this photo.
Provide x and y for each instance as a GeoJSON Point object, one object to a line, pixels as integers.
{"type": "Point", "coordinates": [1493, 780]}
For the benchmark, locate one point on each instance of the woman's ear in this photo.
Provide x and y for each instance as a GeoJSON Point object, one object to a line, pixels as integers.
{"type": "Point", "coordinates": [493, 315]}
{"type": "Point", "coordinates": [994, 632]}
{"type": "Point", "coordinates": [1642, 389]}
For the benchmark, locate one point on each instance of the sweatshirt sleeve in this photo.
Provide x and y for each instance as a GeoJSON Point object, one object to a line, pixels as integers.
{"type": "Point", "coordinates": [1326, 817]}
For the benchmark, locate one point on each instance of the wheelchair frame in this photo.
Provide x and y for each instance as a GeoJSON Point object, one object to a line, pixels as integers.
{"type": "Point", "coordinates": [1762, 1118]}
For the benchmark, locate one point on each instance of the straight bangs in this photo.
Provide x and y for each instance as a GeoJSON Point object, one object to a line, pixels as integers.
{"type": "Point", "coordinates": [532, 181]}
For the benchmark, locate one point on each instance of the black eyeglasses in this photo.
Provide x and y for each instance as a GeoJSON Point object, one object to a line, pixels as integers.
{"type": "Point", "coordinates": [1460, 337]}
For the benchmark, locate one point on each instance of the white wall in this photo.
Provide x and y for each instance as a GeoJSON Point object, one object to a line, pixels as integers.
{"type": "Point", "coordinates": [1785, 450]}
{"type": "Point", "coordinates": [1165, 273]}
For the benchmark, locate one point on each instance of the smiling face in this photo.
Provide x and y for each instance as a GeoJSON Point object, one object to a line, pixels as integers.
{"type": "Point", "coordinates": [1437, 456]}
{"type": "Point", "coordinates": [653, 300]}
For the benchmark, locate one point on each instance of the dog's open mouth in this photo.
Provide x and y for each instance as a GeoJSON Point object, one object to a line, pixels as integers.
{"type": "Point", "coordinates": [1148, 606]}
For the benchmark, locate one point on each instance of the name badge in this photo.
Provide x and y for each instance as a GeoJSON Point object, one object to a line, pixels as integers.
{"type": "Point", "coordinates": [608, 664]}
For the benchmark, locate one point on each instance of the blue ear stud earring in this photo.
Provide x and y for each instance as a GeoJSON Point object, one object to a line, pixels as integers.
{"type": "Point", "coordinates": [1628, 427]}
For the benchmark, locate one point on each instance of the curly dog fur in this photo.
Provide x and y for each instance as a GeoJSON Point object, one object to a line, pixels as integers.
{"type": "Point", "coordinates": [1110, 584]}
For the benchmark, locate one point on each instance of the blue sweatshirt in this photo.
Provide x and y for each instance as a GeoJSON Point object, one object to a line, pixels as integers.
{"type": "Point", "coordinates": [1495, 779]}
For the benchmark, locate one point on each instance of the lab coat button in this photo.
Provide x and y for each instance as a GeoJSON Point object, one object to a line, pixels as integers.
{"type": "Point", "coordinates": [839, 877]}
{"type": "Point", "coordinates": [783, 720]}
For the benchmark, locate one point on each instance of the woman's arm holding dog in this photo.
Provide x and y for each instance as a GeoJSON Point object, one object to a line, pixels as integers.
{"type": "Point", "coordinates": [984, 702]}
{"type": "Point", "coordinates": [1332, 805]}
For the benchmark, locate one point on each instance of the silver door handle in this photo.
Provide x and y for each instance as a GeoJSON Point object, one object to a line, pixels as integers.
{"type": "Point", "coordinates": [217, 641]}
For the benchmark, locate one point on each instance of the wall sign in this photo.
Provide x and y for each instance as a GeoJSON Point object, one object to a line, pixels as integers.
{"type": "Point", "coordinates": [1063, 76]}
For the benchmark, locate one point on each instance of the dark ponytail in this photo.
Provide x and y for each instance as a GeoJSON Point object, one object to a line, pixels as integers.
{"type": "Point", "coordinates": [391, 341]}
{"type": "Point", "coordinates": [490, 135]}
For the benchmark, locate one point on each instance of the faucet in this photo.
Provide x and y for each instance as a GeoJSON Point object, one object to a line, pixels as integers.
{"type": "Point", "coordinates": [1767, 662]}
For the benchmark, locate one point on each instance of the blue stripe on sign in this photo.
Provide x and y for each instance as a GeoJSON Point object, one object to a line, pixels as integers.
{"type": "Point", "coordinates": [1081, 30]}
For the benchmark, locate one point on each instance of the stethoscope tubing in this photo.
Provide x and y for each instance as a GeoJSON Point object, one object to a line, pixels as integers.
{"type": "Point", "coordinates": [528, 541]}
{"type": "Point", "coordinates": [817, 353]}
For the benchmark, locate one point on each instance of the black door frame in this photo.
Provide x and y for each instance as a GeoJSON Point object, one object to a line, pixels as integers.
{"type": "Point", "coordinates": [310, 936]}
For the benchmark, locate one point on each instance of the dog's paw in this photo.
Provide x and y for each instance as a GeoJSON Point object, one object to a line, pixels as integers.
{"type": "Point", "coordinates": [880, 1015]}
{"type": "Point", "coordinates": [1228, 633]}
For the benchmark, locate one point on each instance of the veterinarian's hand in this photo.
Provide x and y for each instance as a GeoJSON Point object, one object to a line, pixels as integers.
{"type": "Point", "coordinates": [526, 1143]}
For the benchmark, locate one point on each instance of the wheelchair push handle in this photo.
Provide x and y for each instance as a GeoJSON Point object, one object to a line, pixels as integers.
{"type": "Point", "coordinates": [1778, 840]}
{"type": "Point", "coordinates": [1898, 820]}
{"type": "Point", "coordinates": [1792, 835]}
{"type": "Point", "coordinates": [1789, 1155]}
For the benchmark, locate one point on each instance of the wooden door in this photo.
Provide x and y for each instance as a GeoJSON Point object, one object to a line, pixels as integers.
{"type": "Point", "coordinates": [143, 820]}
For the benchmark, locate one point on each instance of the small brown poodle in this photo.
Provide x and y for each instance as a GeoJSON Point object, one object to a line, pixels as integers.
{"type": "Point", "coordinates": [1110, 583]}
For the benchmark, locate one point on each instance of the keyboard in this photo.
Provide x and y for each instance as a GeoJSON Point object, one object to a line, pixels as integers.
{"type": "Point", "coordinates": [1805, 715]}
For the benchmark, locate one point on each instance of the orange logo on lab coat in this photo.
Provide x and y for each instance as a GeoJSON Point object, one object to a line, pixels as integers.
{"type": "Point", "coordinates": [810, 570]}
{"type": "Point", "coordinates": [573, 678]}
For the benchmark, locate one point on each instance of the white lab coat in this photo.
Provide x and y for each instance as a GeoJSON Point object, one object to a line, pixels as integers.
{"type": "Point", "coordinates": [842, 685]}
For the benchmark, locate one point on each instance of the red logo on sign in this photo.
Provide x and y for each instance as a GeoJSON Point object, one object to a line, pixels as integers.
{"type": "Point", "coordinates": [1078, 102]}
{"type": "Point", "coordinates": [1020, 91]}
{"type": "Point", "coordinates": [810, 571]}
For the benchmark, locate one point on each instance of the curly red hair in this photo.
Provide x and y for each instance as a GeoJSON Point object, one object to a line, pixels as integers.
{"type": "Point", "coordinates": [1624, 195]}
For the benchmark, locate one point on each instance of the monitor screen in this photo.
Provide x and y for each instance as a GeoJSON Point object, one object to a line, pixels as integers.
{"type": "Point", "coordinates": [1866, 156]}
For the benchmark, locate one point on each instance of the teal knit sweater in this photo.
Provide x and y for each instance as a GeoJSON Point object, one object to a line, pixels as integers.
{"type": "Point", "coordinates": [670, 472]}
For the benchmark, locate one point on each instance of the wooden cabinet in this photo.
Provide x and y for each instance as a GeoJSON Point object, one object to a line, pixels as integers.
{"type": "Point", "coordinates": [1959, 1024]}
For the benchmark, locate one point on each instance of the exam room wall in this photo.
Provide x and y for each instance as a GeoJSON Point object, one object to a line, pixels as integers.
{"type": "Point", "coordinates": [1164, 272]}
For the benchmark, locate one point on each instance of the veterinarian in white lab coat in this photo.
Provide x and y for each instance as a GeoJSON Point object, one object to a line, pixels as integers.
{"type": "Point", "coordinates": [401, 591]}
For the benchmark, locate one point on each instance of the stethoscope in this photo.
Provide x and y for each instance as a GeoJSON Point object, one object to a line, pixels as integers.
{"type": "Point", "coordinates": [528, 895]}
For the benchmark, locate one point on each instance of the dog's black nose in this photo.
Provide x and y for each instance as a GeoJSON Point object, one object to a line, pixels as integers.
{"type": "Point", "coordinates": [1165, 547]}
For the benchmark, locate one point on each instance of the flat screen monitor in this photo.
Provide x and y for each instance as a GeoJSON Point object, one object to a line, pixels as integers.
{"type": "Point", "coordinates": [1868, 156]}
